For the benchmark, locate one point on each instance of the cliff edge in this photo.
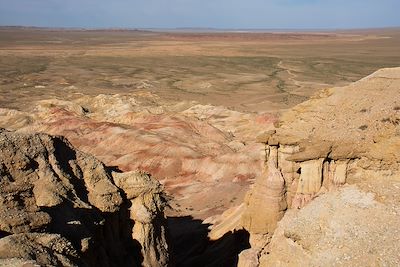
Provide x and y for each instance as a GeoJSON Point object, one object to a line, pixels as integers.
{"type": "Point", "coordinates": [328, 195]}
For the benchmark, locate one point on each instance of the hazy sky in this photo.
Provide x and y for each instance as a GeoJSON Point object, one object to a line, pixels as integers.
{"type": "Point", "coordinates": [202, 13]}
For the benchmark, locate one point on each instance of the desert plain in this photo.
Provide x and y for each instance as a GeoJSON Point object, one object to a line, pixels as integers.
{"type": "Point", "coordinates": [184, 106]}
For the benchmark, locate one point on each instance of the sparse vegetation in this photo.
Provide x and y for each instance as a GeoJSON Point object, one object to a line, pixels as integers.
{"type": "Point", "coordinates": [248, 72]}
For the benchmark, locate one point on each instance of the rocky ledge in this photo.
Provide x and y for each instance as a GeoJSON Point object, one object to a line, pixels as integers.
{"type": "Point", "coordinates": [331, 180]}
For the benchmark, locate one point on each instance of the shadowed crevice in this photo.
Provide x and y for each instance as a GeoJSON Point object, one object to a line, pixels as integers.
{"type": "Point", "coordinates": [192, 247]}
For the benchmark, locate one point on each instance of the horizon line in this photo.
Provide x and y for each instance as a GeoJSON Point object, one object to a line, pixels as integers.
{"type": "Point", "coordinates": [198, 28]}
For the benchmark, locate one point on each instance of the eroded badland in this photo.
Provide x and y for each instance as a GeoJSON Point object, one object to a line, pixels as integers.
{"type": "Point", "coordinates": [269, 145]}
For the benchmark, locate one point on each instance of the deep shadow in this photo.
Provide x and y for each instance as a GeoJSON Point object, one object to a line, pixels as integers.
{"type": "Point", "coordinates": [108, 235]}
{"type": "Point", "coordinates": [111, 169]}
{"type": "Point", "coordinates": [192, 247]}
{"type": "Point", "coordinates": [4, 234]}
{"type": "Point", "coordinates": [102, 238]}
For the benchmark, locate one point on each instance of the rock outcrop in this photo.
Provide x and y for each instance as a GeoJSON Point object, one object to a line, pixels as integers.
{"type": "Point", "coordinates": [146, 210]}
{"type": "Point", "coordinates": [320, 140]}
{"type": "Point", "coordinates": [61, 207]}
{"type": "Point", "coordinates": [341, 136]}
{"type": "Point", "coordinates": [267, 200]}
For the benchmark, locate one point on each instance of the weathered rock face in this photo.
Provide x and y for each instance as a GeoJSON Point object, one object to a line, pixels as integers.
{"type": "Point", "coordinates": [304, 180]}
{"type": "Point", "coordinates": [267, 200]}
{"type": "Point", "coordinates": [320, 140]}
{"type": "Point", "coordinates": [61, 207]}
{"type": "Point", "coordinates": [146, 210]}
{"type": "Point", "coordinates": [343, 135]}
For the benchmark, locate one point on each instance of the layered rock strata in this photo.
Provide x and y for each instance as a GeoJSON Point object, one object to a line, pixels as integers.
{"type": "Point", "coordinates": [342, 135]}
{"type": "Point", "coordinates": [305, 179]}
{"type": "Point", "coordinates": [187, 146]}
{"type": "Point", "coordinates": [347, 135]}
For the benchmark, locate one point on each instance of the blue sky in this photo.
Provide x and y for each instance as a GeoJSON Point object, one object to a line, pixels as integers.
{"type": "Point", "coordinates": [288, 14]}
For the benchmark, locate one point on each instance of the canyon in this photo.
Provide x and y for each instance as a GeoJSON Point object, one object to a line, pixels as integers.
{"type": "Point", "coordinates": [227, 166]}
{"type": "Point", "coordinates": [312, 182]}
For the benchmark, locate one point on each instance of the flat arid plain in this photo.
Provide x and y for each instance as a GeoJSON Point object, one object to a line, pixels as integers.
{"type": "Point", "coordinates": [197, 111]}
{"type": "Point", "coordinates": [244, 71]}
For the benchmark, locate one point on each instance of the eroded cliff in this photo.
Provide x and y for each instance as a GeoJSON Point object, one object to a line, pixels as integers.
{"type": "Point", "coordinates": [62, 207]}
{"type": "Point", "coordinates": [339, 151]}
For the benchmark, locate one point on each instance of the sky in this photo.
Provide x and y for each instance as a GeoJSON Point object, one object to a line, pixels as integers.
{"type": "Point", "coordinates": [225, 14]}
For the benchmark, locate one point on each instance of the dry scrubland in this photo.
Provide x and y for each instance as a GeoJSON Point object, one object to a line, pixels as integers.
{"type": "Point", "coordinates": [250, 72]}
{"type": "Point", "coordinates": [208, 115]}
